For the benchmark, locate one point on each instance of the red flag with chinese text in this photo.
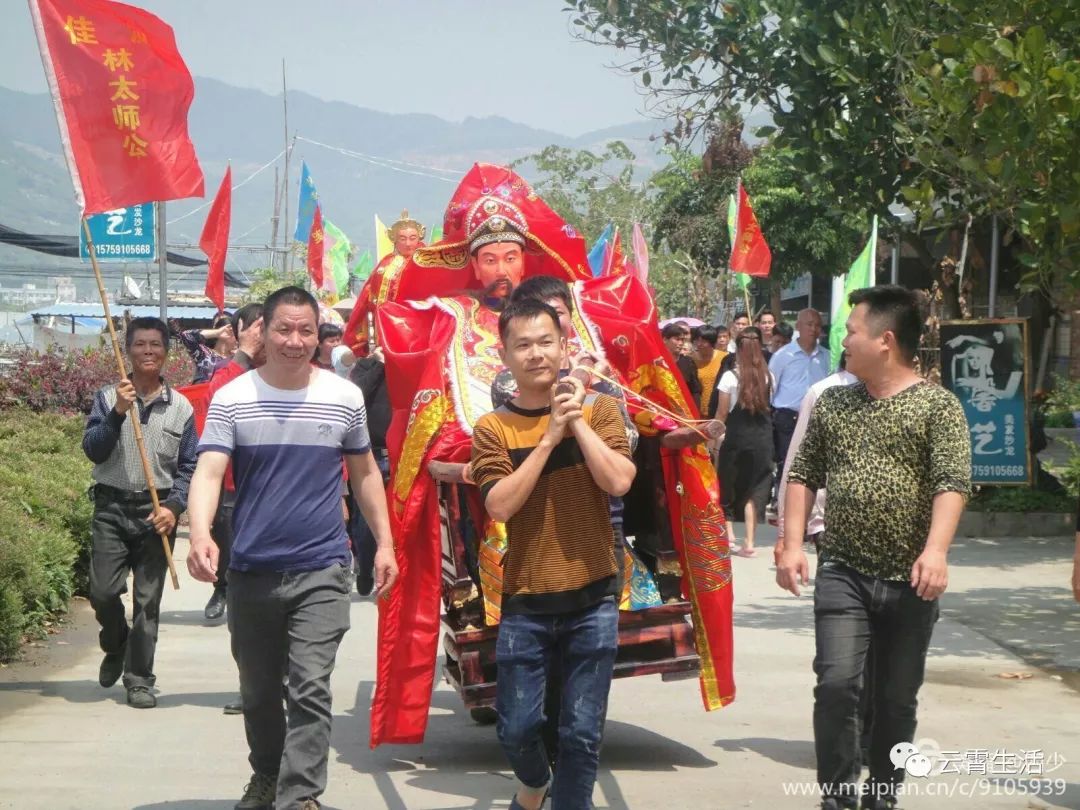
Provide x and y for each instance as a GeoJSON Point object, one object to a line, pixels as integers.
{"type": "Point", "coordinates": [214, 240]}
{"type": "Point", "coordinates": [750, 253]}
{"type": "Point", "coordinates": [315, 249]}
{"type": "Point", "coordinates": [122, 94]}
{"type": "Point", "coordinates": [615, 262]}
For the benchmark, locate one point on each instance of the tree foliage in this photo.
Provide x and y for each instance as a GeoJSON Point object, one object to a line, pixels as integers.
{"type": "Point", "coordinates": [266, 280]}
{"type": "Point", "coordinates": [956, 108]}
{"type": "Point", "coordinates": [589, 190]}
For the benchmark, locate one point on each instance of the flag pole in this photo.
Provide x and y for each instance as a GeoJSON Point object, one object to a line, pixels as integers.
{"type": "Point", "coordinates": [118, 355]}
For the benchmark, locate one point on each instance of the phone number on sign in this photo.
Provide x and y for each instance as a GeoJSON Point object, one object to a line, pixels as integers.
{"type": "Point", "coordinates": [1000, 470]}
{"type": "Point", "coordinates": [124, 250]}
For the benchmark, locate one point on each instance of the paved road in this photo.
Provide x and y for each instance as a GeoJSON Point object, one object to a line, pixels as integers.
{"type": "Point", "coordinates": [67, 743]}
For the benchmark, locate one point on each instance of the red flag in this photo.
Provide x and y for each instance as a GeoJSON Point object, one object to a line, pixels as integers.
{"type": "Point", "coordinates": [122, 93]}
{"type": "Point", "coordinates": [215, 240]}
{"type": "Point", "coordinates": [615, 263]}
{"type": "Point", "coordinates": [315, 249]}
{"type": "Point", "coordinates": [750, 253]}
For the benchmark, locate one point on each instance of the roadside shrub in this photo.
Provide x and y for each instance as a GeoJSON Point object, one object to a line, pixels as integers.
{"type": "Point", "coordinates": [44, 521]}
{"type": "Point", "coordinates": [1020, 499]}
{"type": "Point", "coordinates": [63, 381]}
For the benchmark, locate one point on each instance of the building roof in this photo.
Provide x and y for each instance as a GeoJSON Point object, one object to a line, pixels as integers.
{"type": "Point", "coordinates": [187, 311]}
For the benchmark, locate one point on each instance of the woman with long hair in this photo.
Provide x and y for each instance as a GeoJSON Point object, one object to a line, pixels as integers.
{"type": "Point", "coordinates": [745, 460]}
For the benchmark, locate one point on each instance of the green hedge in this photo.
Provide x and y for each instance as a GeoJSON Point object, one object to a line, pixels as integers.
{"type": "Point", "coordinates": [44, 521]}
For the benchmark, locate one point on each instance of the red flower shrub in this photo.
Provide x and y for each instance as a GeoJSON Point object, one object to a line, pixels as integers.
{"type": "Point", "coordinates": [65, 382]}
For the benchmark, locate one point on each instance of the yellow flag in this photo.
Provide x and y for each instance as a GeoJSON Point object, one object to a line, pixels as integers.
{"type": "Point", "coordinates": [383, 246]}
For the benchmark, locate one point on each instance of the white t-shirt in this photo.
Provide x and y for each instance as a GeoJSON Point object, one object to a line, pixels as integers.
{"type": "Point", "coordinates": [729, 384]}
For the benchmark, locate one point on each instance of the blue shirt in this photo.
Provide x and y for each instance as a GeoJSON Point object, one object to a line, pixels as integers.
{"type": "Point", "coordinates": [287, 447]}
{"type": "Point", "coordinates": [795, 371]}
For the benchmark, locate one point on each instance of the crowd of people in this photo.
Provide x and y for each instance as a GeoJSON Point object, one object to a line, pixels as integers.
{"type": "Point", "coordinates": [752, 379]}
{"type": "Point", "coordinates": [286, 488]}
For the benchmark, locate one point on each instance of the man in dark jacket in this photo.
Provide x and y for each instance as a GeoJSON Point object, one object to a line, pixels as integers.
{"type": "Point", "coordinates": [126, 528]}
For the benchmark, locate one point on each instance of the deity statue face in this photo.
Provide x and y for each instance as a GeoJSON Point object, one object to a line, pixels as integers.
{"type": "Point", "coordinates": [499, 267]}
{"type": "Point", "coordinates": [406, 242]}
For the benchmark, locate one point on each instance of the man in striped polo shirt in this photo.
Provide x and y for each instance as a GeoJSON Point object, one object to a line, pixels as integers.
{"type": "Point", "coordinates": [286, 427]}
{"type": "Point", "coordinates": [125, 527]}
{"type": "Point", "coordinates": [546, 463]}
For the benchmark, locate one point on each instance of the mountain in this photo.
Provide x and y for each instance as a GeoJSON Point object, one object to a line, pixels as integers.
{"type": "Point", "coordinates": [364, 162]}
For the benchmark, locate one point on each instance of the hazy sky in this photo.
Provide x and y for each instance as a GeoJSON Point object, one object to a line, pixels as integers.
{"type": "Point", "coordinates": [451, 58]}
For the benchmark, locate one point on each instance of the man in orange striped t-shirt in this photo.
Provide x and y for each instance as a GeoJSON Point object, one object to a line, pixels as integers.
{"type": "Point", "coordinates": [546, 462]}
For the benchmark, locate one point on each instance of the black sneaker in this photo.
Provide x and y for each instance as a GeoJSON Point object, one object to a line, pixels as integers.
{"type": "Point", "coordinates": [215, 608]}
{"type": "Point", "coordinates": [112, 667]}
{"type": "Point", "coordinates": [234, 707]}
{"type": "Point", "coordinates": [259, 793]}
{"type": "Point", "coordinates": [140, 697]}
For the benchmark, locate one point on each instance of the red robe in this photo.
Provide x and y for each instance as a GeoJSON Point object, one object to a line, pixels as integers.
{"type": "Point", "coordinates": [432, 350]}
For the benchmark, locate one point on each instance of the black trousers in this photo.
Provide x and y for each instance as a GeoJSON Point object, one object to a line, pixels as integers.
{"type": "Point", "coordinates": [222, 532]}
{"type": "Point", "coordinates": [124, 541]}
{"type": "Point", "coordinates": [854, 613]}
{"type": "Point", "coordinates": [783, 420]}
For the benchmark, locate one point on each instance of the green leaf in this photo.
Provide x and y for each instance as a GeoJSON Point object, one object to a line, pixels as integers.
{"type": "Point", "coordinates": [1004, 47]}
{"type": "Point", "coordinates": [840, 20]}
{"type": "Point", "coordinates": [828, 54]}
{"type": "Point", "coordinates": [947, 44]}
{"type": "Point", "coordinates": [1035, 41]}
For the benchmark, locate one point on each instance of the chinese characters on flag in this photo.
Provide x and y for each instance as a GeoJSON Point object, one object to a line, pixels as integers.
{"type": "Point", "coordinates": [750, 253]}
{"type": "Point", "coordinates": [122, 94]}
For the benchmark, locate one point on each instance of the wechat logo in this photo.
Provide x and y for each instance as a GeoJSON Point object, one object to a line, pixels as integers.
{"type": "Point", "coordinates": [914, 759]}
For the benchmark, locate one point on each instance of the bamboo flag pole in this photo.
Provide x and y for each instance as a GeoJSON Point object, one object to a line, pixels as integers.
{"type": "Point", "coordinates": [123, 376]}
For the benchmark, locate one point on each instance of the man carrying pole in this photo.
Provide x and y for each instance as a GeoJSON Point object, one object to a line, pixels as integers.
{"type": "Point", "coordinates": [128, 516]}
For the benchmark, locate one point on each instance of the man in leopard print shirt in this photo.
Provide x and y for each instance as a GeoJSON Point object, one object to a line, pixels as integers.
{"type": "Point", "coordinates": [894, 454]}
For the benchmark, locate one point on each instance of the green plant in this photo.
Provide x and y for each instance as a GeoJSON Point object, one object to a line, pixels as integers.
{"type": "Point", "coordinates": [1070, 473]}
{"type": "Point", "coordinates": [1059, 419]}
{"type": "Point", "coordinates": [44, 521]}
{"type": "Point", "coordinates": [1064, 398]}
{"type": "Point", "coordinates": [1019, 499]}
{"type": "Point", "coordinates": [58, 380]}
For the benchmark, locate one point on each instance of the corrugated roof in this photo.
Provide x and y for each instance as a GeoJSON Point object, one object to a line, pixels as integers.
{"type": "Point", "coordinates": [117, 310]}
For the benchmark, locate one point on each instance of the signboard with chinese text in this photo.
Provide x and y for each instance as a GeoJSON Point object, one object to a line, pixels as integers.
{"type": "Point", "coordinates": [122, 235]}
{"type": "Point", "coordinates": [984, 362]}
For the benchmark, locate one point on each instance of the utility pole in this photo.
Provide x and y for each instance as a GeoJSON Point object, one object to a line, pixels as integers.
{"type": "Point", "coordinates": [286, 261]}
{"type": "Point", "coordinates": [274, 220]}
{"type": "Point", "coordinates": [163, 263]}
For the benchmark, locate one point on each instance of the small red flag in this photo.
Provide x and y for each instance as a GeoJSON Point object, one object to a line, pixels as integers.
{"type": "Point", "coordinates": [315, 249]}
{"type": "Point", "coordinates": [750, 253]}
{"type": "Point", "coordinates": [215, 240]}
{"type": "Point", "coordinates": [615, 263]}
{"type": "Point", "coordinates": [122, 93]}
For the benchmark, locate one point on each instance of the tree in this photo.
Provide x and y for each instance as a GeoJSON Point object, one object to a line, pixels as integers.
{"type": "Point", "coordinates": [266, 280]}
{"type": "Point", "coordinates": [990, 124]}
{"type": "Point", "coordinates": [958, 108]}
{"type": "Point", "coordinates": [593, 190]}
{"type": "Point", "coordinates": [589, 190]}
{"type": "Point", "coordinates": [804, 229]}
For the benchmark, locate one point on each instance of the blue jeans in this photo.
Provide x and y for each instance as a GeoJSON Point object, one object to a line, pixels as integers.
{"type": "Point", "coordinates": [855, 614]}
{"type": "Point", "coordinates": [585, 644]}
